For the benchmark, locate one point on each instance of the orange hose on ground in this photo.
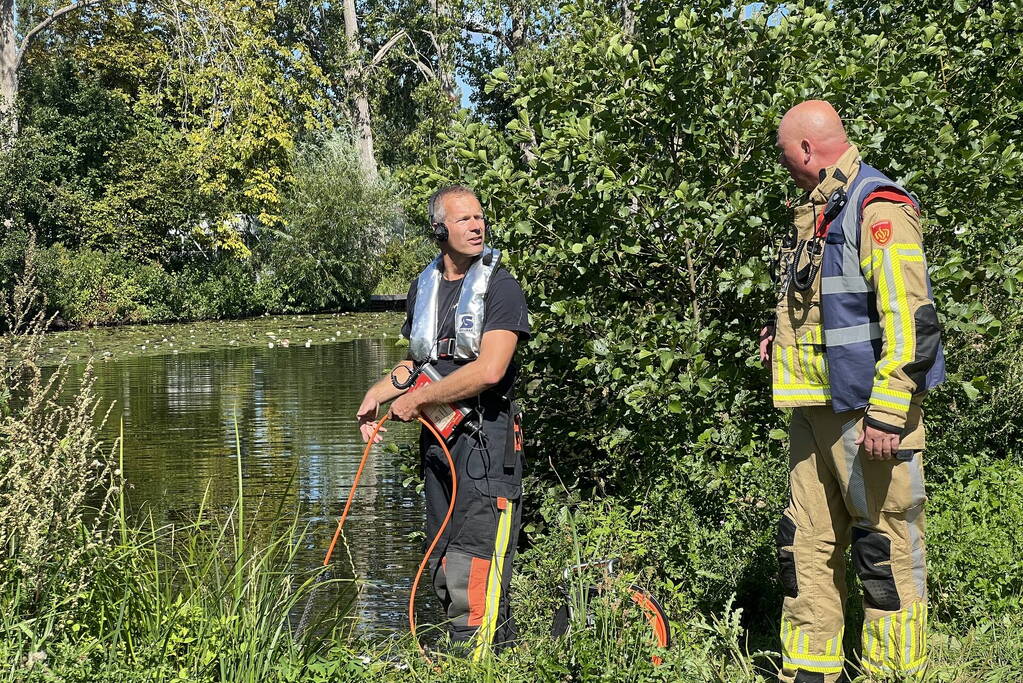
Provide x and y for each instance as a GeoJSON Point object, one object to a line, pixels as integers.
{"type": "Point", "coordinates": [436, 539]}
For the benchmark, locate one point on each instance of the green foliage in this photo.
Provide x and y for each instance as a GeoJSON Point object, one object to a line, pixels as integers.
{"type": "Point", "coordinates": [213, 599]}
{"type": "Point", "coordinates": [637, 190]}
{"type": "Point", "coordinates": [404, 257]}
{"type": "Point", "coordinates": [327, 256]}
{"type": "Point", "coordinates": [974, 543]}
{"type": "Point", "coordinates": [91, 168]}
{"type": "Point", "coordinates": [91, 287]}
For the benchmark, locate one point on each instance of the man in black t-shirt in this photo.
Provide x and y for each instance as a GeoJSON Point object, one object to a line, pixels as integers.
{"type": "Point", "coordinates": [466, 315]}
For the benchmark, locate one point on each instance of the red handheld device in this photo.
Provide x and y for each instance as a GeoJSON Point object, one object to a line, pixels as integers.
{"type": "Point", "coordinates": [446, 417]}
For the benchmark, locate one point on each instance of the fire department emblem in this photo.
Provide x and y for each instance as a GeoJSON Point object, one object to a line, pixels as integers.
{"type": "Point", "coordinates": [882, 232]}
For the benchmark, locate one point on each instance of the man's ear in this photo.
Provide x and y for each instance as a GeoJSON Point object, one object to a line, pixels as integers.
{"type": "Point", "coordinates": [805, 146]}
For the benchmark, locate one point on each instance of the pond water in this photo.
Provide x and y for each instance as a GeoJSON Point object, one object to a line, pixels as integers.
{"type": "Point", "coordinates": [300, 448]}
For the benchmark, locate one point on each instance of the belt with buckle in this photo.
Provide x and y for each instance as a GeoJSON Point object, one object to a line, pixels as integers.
{"type": "Point", "coordinates": [446, 348]}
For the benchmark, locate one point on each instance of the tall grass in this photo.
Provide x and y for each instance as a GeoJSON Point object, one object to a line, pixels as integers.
{"type": "Point", "coordinates": [195, 601]}
{"type": "Point", "coordinates": [87, 593]}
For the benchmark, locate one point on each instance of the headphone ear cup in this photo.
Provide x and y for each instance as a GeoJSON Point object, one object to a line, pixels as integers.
{"type": "Point", "coordinates": [440, 232]}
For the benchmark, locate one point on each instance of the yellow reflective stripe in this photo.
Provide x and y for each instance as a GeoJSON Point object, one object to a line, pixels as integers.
{"type": "Point", "coordinates": [798, 663]}
{"type": "Point", "coordinates": [802, 367]}
{"type": "Point", "coordinates": [889, 394]}
{"type": "Point", "coordinates": [776, 362]}
{"type": "Point", "coordinates": [896, 643]}
{"type": "Point", "coordinates": [829, 660]}
{"type": "Point", "coordinates": [919, 626]}
{"type": "Point", "coordinates": [889, 404]}
{"type": "Point", "coordinates": [488, 629]}
{"type": "Point", "coordinates": [834, 646]}
{"type": "Point", "coordinates": [908, 630]}
{"type": "Point", "coordinates": [868, 264]}
{"type": "Point", "coordinates": [801, 399]}
{"type": "Point", "coordinates": [900, 342]}
{"type": "Point", "coordinates": [796, 650]}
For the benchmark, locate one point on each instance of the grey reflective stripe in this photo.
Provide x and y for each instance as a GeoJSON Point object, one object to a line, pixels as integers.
{"type": "Point", "coordinates": [851, 231]}
{"type": "Point", "coordinates": [851, 224]}
{"type": "Point", "coordinates": [851, 213]}
{"type": "Point", "coordinates": [831, 665]}
{"type": "Point", "coordinates": [423, 338]}
{"type": "Point", "coordinates": [857, 491]}
{"type": "Point", "coordinates": [917, 550]}
{"type": "Point", "coordinates": [916, 479]}
{"type": "Point", "coordinates": [854, 334]}
{"type": "Point", "coordinates": [841, 284]}
{"type": "Point", "coordinates": [469, 314]}
{"type": "Point", "coordinates": [810, 389]}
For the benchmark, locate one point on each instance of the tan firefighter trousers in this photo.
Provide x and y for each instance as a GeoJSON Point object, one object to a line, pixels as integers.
{"type": "Point", "coordinates": [839, 498]}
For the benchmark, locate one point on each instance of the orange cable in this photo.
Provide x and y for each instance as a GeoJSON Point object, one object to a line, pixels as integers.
{"type": "Point", "coordinates": [436, 539]}
{"type": "Point", "coordinates": [351, 492]}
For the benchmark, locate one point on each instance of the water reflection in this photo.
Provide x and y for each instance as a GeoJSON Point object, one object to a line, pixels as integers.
{"type": "Point", "coordinates": [295, 410]}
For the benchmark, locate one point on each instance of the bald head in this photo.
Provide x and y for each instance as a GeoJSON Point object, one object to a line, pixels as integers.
{"type": "Point", "coordinates": [811, 137]}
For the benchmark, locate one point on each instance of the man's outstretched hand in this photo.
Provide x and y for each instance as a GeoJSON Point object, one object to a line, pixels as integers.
{"type": "Point", "coordinates": [406, 407]}
{"type": "Point", "coordinates": [367, 417]}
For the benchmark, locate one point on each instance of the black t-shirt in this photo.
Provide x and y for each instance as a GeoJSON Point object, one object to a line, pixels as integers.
{"type": "Point", "coordinates": [504, 308]}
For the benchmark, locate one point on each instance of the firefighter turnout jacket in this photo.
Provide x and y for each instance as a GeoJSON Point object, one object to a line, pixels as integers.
{"type": "Point", "coordinates": [856, 342]}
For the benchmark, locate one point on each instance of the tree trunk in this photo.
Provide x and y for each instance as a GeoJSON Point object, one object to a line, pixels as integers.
{"type": "Point", "coordinates": [362, 121]}
{"type": "Point", "coordinates": [517, 36]}
{"type": "Point", "coordinates": [628, 18]}
{"type": "Point", "coordinates": [8, 70]}
{"type": "Point", "coordinates": [443, 25]}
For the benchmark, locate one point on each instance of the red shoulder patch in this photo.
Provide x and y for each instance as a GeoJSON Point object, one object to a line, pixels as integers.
{"type": "Point", "coordinates": [882, 232]}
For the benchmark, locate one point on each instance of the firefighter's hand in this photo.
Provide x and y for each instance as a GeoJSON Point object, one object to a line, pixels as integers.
{"type": "Point", "coordinates": [406, 407]}
{"type": "Point", "coordinates": [878, 444]}
{"type": "Point", "coordinates": [367, 417]}
{"type": "Point", "coordinates": [766, 338]}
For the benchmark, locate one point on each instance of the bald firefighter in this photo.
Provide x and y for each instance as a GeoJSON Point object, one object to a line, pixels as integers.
{"type": "Point", "coordinates": [854, 346]}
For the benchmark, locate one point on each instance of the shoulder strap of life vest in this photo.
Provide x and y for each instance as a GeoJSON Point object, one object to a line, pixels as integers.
{"type": "Point", "coordinates": [469, 311]}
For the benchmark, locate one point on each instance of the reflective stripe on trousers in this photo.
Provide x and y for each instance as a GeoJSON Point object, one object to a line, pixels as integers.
{"type": "Point", "coordinates": [840, 501]}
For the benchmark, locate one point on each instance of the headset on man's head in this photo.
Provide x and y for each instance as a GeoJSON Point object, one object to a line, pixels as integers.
{"type": "Point", "coordinates": [439, 229]}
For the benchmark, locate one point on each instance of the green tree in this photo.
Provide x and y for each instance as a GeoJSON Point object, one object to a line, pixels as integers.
{"type": "Point", "coordinates": [644, 222]}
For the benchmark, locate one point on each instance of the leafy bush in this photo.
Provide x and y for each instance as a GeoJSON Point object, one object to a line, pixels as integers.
{"type": "Point", "coordinates": [91, 169]}
{"type": "Point", "coordinates": [90, 287]}
{"type": "Point", "coordinates": [974, 542]}
{"type": "Point", "coordinates": [327, 256]}
{"type": "Point", "coordinates": [404, 257]}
